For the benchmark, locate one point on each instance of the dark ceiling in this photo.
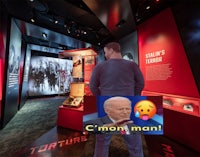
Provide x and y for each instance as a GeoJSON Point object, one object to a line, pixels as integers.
{"type": "Point", "coordinates": [92, 21]}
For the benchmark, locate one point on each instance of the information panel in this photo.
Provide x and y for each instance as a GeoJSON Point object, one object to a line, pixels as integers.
{"type": "Point", "coordinates": [162, 57]}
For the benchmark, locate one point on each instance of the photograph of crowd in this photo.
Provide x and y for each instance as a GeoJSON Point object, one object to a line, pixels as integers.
{"type": "Point", "coordinates": [49, 75]}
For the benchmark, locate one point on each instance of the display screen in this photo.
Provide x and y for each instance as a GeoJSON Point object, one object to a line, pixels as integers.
{"type": "Point", "coordinates": [48, 75]}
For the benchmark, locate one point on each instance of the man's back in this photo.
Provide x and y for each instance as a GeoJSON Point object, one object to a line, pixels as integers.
{"type": "Point", "coordinates": [117, 77]}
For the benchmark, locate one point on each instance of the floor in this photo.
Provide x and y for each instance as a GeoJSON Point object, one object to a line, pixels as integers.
{"type": "Point", "coordinates": [33, 132]}
{"type": "Point", "coordinates": [33, 120]}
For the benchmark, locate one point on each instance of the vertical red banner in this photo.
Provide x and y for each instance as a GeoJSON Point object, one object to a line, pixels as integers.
{"type": "Point", "coordinates": [162, 57]}
{"type": "Point", "coordinates": [167, 72]}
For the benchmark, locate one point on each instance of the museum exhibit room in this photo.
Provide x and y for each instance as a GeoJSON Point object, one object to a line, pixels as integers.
{"type": "Point", "coordinates": [48, 52]}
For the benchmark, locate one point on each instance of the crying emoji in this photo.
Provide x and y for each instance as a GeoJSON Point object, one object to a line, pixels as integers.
{"type": "Point", "coordinates": [145, 109]}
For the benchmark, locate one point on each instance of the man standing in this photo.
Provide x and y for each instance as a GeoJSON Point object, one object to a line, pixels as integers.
{"type": "Point", "coordinates": [115, 77]}
{"type": "Point", "coordinates": [118, 110]}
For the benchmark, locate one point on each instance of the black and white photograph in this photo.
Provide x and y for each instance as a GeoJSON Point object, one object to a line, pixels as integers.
{"type": "Point", "coordinates": [49, 75]}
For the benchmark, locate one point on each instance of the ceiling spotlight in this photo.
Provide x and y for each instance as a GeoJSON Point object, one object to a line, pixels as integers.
{"type": "Point", "coordinates": [138, 19]}
{"type": "Point", "coordinates": [84, 32]}
{"type": "Point", "coordinates": [44, 35]}
{"type": "Point", "coordinates": [68, 31]}
{"type": "Point", "coordinates": [38, 5]}
{"type": "Point", "coordinates": [56, 21]}
{"type": "Point", "coordinates": [32, 20]}
{"type": "Point", "coordinates": [148, 7]}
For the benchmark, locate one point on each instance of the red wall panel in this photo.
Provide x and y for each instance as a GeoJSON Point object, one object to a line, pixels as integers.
{"type": "Point", "coordinates": [162, 57]}
{"type": "Point", "coordinates": [167, 72]}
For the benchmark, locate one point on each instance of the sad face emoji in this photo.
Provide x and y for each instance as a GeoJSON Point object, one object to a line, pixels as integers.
{"type": "Point", "coordinates": [145, 109]}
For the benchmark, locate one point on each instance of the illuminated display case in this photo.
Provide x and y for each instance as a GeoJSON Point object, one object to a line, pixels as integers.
{"type": "Point", "coordinates": [76, 95]}
{"type": "Point", "coordinates": [187, 105]}
{"type": "Point", "coordinates": [80, 102]}
{"type": "Point", "coordinates": [182, 104]}
{"type": "Point", "coordinates": [84, 61]}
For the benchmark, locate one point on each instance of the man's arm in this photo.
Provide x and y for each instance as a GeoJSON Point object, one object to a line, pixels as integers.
{"type": "Point", "coordinates": [95, 82]}
{"type": "Point", "coordinates": [139, 80]}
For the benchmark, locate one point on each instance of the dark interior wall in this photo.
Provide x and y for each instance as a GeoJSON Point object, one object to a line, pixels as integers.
{"type": "Point", "coordinates": [129, 46]}
{"type": "Point", "coordinates": [11, 76]}
{"type": "Point", "coordinates": [187, 16]}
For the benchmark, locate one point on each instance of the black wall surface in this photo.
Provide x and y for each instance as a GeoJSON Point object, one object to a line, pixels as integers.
{"type": "Point", "coordinates": [10, 106]}
{"type": "Point", "coordinates": [129, 47]}
{"type": "Point", "coordinates": [187, 16]}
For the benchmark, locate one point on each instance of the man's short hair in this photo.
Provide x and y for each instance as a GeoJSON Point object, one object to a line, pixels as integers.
{"type": "Point", "coordinates": [115, 46]}
{"type": "Point", "coordinates": [109, 101]}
